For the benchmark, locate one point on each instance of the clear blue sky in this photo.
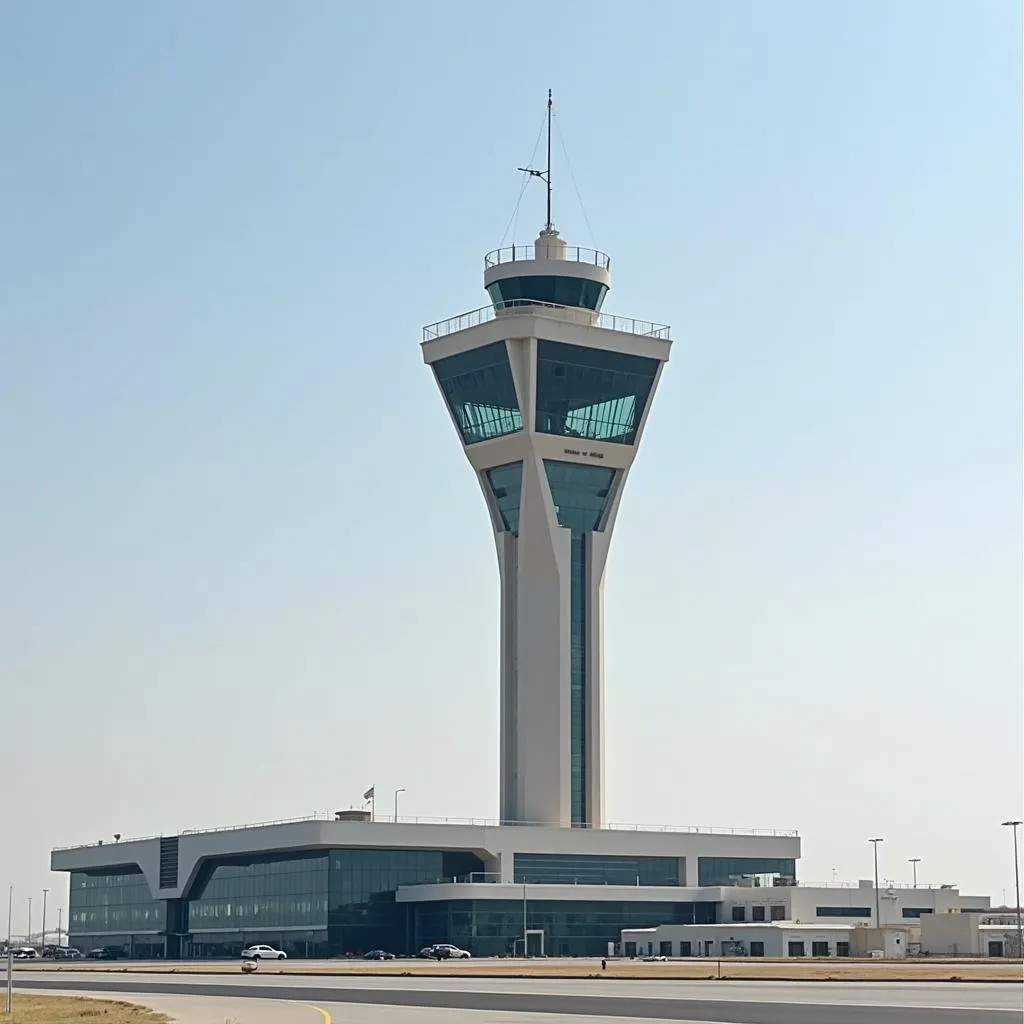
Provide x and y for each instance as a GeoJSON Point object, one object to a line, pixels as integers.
{"type": "Point", "coordinates": [246, 571]}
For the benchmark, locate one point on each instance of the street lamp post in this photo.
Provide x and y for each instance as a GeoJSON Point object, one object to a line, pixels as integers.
{"type": "Point", "coordinates": [525, 944]}
{"type": "Point", "coordinates": [28, 938]}
{"type": "Point", "coordinates": [10, 950]}
{"type": "Point", "coordinates": [1016, 881]}
{"type": "Point", "coordinates": [878, 900]}
{"type": "Point", "coordinates": [914, 861]}
{"type": "Point", "coordinates": [42, 940]}
{"type": "Point", "coordinates": [397, 791]}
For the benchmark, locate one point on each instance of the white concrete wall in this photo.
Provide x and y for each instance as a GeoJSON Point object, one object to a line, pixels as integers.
{"type": "Point", "coordinates": [724, 937]}
{"type": "Point", "coordinates": [950, 935]}
{"type": "Point", "coordinates": [803, 902]}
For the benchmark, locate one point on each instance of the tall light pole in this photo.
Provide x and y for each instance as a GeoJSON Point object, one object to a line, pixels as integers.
{"type": "Point", "coordinates": [1016, 881]}
{"type": "Point", "coordinates": [878, 899]}
{"type": "Point", "coordinates": [10, 950]}
{"type": "Point", "coordinates": [397, 791]}
{"type": "Point", "coordinates": [42, 939]}
{"type": "Point", "coordinates": [28, 938]}
{"type": "Point", "coordinates": [60, 914]}
{"type": "Point", "coordinates": [914, 861]}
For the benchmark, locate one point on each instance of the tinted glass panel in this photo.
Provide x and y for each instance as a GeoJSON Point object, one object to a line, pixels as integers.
{"type": "Point", "coordinates": [560, 291]}
{"type": "Point", "coordinates": [480, 392]}
{"type": "Point", "coordinates": [592, 869]}
{"type": "Point", "coordinates": [729, 870]}
{"type": "Point", "coordinates": [591, 393]}
{"type": "Point", "coordinates": [579, 493]}
{"type": "Point", "coordinates": [578, 676]}
{"type": "Point", "coordinates": [109, 906]}
{"type": "Point", "coordinates": [571, 928]}
{"type": "Point", "coordinates": [843, 911]}
{"type": "Point", "coordinates": [506, 483]}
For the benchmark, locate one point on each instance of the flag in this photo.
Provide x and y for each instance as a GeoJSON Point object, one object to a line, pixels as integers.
{"type": "Point", "coordinates": [368, 795]}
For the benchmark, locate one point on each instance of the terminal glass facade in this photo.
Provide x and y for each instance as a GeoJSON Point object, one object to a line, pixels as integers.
{"type": "Point", "coordinates": [588, 869]}
{"type": "Point", "coordinates": [729, 870]}
{"type": "Point", "coordinates": [570, 927]}
{"type": "Point", "coordinates": [113, 907]}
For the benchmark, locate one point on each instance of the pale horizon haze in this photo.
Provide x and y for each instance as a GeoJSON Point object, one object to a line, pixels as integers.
{"type": "Point", "coordinates": [245, 570]}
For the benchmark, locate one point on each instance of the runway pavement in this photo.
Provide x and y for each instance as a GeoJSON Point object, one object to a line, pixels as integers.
{"type": "Point", "coordinates": [257, 999]}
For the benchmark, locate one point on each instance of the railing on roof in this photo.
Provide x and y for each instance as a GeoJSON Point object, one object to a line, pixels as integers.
{"type": "Point", "coordinates": [569, 254]}
{"type": "Point", "coordinates": [478, 822]}
{"type": "Point", "coordinates": [551, 310]}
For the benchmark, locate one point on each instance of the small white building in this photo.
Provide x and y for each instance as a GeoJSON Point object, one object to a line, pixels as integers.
{"type": "Point", "coordinates": [773, 939]}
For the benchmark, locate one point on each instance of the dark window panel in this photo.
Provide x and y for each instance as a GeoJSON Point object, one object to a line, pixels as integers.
{"type": "Point", "coordinates": [591, 394]}
{"type": "Point", "coordinates": [481, 393]}
{"type": "Point", "coordinates": [506, 484]}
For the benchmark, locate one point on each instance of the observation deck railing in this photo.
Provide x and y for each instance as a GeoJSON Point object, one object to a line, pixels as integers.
{"type": "Point", "coordinates": [567, 253]}
{"type": "Point", "coordinates": [551, 310]}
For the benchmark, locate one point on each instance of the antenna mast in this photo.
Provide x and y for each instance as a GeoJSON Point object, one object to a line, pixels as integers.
{"type": "Point", "coordinates": [544, 175]}
{"type": "Point", "coordinates": [547, 226]}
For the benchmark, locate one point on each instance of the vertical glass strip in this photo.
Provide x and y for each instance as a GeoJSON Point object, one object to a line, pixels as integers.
{"type": "Point", "coordinates": [578, 676]}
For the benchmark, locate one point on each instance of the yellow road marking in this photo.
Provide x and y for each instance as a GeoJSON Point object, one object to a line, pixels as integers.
{"type": "Point", "coordinates": [319, 1009]}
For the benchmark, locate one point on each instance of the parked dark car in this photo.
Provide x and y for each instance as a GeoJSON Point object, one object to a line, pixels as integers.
{"type": "Point", "coordinates": [378, 954]}
{"type": "Point", "coordinates": [105, 953]}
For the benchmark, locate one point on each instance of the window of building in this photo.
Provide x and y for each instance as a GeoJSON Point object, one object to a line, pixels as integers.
{"type": "Point", "coordinates": [819, 949]}
{"type": "Point", "coordinates": [739, 913]}
{"type": "Point", "coordinates": [480, 392]}
{"type": "Point", "coordinates": [757, 913]}
{"type": "Point", "coordinates": [778, 913]}
{"type": "Point", "coordinates": [559, 291]}
{"type": "Point", "coordinates": [842, 949]}
{"type": "Point", "coordinates": [685, 948]}
{"type": "Point", "coordinates": [756, 948]}
{"type": "Point", "coordinates": [492, 927]}
{"type": "Point", "coordinates": [730, 870]}
{"type": "Point", "coordinates": [592, 394]}
{"type": "Point", "coordinates": [594, 869]}
{"type": "Point", "coordinates": [916, 912]}
{"type": "Point", "coordinates": [109, 906]}
{"type": "Point", "coordinates": [795, 949]}
{"type": "Point", "coordinates": [506, 484]}
{"type": "Point", "coordinates": [664, 948]}
{"type": "Point", "coordinates": [842, 911]}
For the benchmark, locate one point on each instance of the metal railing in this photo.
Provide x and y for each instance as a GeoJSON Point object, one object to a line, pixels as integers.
{"type": "Point", "coordinates": [550, 310]}
{"type": "Point", "coordinates": [328, 816]}
{"type": "Point", "coordinates": [568, 253]}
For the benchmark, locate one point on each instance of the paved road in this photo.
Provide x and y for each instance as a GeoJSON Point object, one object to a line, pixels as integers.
{"type": "Point", "coordinates": [425, 1000]}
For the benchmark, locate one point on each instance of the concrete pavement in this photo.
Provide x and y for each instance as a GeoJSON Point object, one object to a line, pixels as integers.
{"type": "Point", "coordinates": [249, 1000]}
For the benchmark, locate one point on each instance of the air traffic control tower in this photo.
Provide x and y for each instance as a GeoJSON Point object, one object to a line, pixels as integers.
{"type": "Point", "coordinates": [549, 397]}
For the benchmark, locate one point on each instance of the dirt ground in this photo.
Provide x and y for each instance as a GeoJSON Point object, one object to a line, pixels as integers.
{"type": "Point", "coordinates": [68, 1010]}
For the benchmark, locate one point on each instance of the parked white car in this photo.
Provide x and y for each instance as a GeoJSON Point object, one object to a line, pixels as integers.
{"type": "Point", "coordinates": [263, 953]}
{"type": "Point", "coordinates": [446, 951]}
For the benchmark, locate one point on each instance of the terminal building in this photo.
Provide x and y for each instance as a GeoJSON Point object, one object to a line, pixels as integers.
{"type": "Point", "coordinates": [549, 397]}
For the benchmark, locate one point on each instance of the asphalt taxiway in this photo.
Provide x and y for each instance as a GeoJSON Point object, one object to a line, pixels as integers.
{"type": "Point", "coordinates": [256, 999]}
